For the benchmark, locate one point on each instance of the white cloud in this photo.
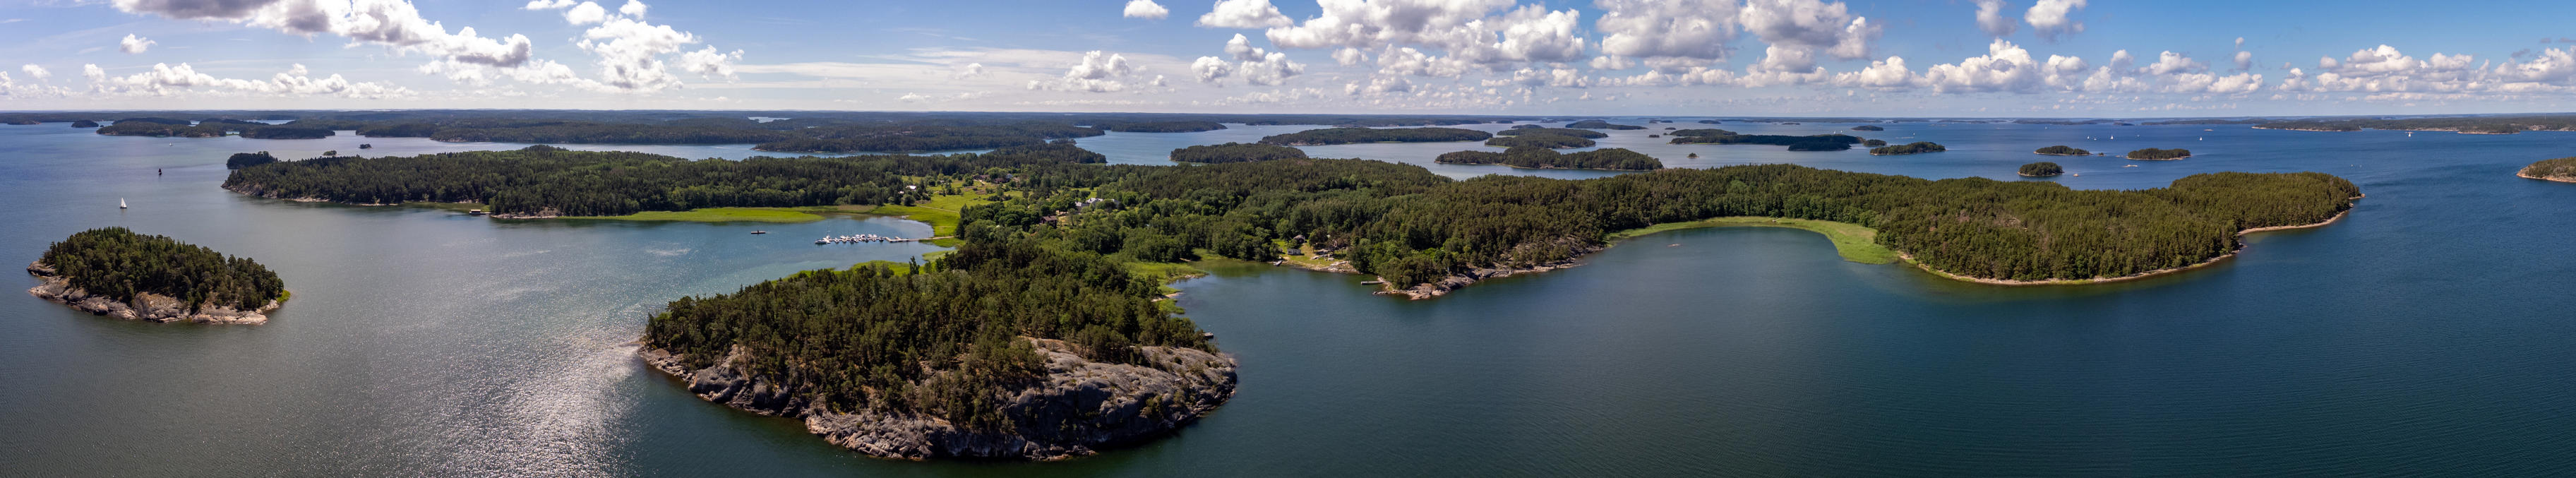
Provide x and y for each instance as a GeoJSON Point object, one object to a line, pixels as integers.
{"type": "Point", "coordinates": [2170, 63]}
{"type": "Point", "coordinates": [1350, 56]}
{"type": "Point", "coordinates": [1209, 69]}
{"type": "Point", "coordinates": [1147, 9]}
{"type": "Point", "coordinates": [134, 44]}
{"type": "Point", "coordinates": [585, 13]}
{"type": "Point", "coordinates": [1809, 24]}
{"type": "Point", "coordinates": [2244, 60]}
{"type": "Point", "coordinates": [393, 23]}
{"type": "Point", "coordinates": [1099, 72]}
{"type": "Point", "coordinates": [37, 72]}
{"type": "Point", "coordinates": [1243, 14]}
{"type": "Point", "coordinates": [633, 8]}
{"type": "Point", "coordinates": [166, 80]}
{"type": "Point", "coordinates": [1991, 19]}
{"type": "Point", "coordinates": [2048, 18]}
{"type": "Point", "coordinates": [1698, 29]}
{"type": "Point", "coordinates": [971, 70]}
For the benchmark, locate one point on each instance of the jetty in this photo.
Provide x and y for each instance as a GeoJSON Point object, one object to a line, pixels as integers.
{"type": "Point", "coordinates": [863, 238]}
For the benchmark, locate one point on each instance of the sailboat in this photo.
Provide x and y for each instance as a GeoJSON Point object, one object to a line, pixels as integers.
{"type": "Point", "coordinates": [120, 203]}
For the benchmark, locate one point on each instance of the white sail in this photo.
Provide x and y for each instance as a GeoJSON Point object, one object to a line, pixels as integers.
{"type": "Point", "coordinates": [120, 203]}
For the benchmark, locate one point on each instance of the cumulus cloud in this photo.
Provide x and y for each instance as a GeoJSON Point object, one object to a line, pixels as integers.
{"type": "Point", "coordinates": [1099, 72]}
{"type": "Point", "coordinates": [1257, 66]}
{"type": "Point", "coordinates": [393, 23]}
{"type": "Point", "coordinates": [1811, 24]}
{"type": "Point", "coordinates": [37, 72]}
{"type": "Point", "coordinates": [2049, 18]}
{"type": "Point", "coordinates": [134, 44]}
{"type": "Point", "coordinates": [1242, 14]}
{"type": "Point", "coordinates": [166, 80]}
{"type": "Point", "coordinates": [1694, 29]}
{"type": "Point", "coordinates": [633, 8]}
{"type": "Point", "coordinates": [585, 13]}
{"type": "Point", "coordinates": [1148, 9]}
{"type": "Point", "coordinates": [1991, 19]}
{"type": "Point", "coordinates": [2244, 60]}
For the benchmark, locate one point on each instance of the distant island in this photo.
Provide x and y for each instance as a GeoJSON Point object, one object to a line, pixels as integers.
{"type": "Point", "coordinates": [1822, 142]}
{"type": "Point", "coordinates": [1599, 124]}
{"type": "Point", "coordinates": [2560, 170]}
{"type": "Point", "coordinates": [1524, 130]}
{"type": "Point", "coordinates": [2318, 126]}
{"type": "Point", "coordinates": [118, 273]}
{"type": "Point", "coordinates": [84, 124]}
{"type": "Point", "coordinates": [2041, 169]}
{"type": "Point", "coordinates": [1160, 126]}
{"type": "Point", "coordinates": [1918, 147]}
{"type": "Point", "coordinates": [244, 160]}
{"type": "Point", "coordinates": [2459, 124]}
{"type": "Point", "coordinates": [1540, 140]}
{"type": "Point", "coordinates": [1235, 152]}
{"type": "Point", "coordinates": [2153, 154]}
{"type": "Point", "coordinates": [1537, 157]}
{"type": "Point", "coordinates": [1331, 136]}
{"type": "Point", "coordinates": [1001, 364]}
{"type": "Point", "coordinates": [1868, 128]}
{"type": "Point", "coordinates": [210, 128]}
{"type": "Point", "coordinates": [2063, 150]}
{"type": "Point", "coordinates": [1873, 143]}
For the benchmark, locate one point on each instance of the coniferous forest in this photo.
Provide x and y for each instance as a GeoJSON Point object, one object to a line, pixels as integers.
{"type": "Point", "coordinates": [1822, 142]}
{"type": "Point", "coordinates": [118, 264]}
{"type": "Point", "coordinates": [1327, 136]}
{"type": "Point", "coordinates": [1235, 152]}
{"type": "Point", "coordinates": [1540, 157]}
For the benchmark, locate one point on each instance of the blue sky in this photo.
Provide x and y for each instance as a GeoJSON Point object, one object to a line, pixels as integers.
{"type": "Point", "coordinates": [1718, 57]}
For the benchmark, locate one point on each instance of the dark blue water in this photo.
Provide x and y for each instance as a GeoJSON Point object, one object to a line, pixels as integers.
{"type": "Point", "coordinates": [2427, 333]}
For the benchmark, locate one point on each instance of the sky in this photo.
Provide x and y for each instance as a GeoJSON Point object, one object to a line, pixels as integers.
{"type": "Point", "coordinates": [1969, 58]}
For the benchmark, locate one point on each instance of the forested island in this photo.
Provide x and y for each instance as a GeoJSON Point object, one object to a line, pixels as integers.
{"type": "Point", "coordinates": [1160, 126]}
{"type": "Point", "coordinates": [543, 181]}
{"type": "Point", "coordinates": [1235, 152]}
{"type": "Point", "coordinates": [116, 272]}
{"type": "Point", "coordinates": [244, 160]}
{"type": "Point", "coordinates": [211, 128]}
{"type": "Point", "coordinates": [1004, 349]}
{"type": "Point", "coordinates": [84, 124]}
{"type": "Point", "coordinates": [285, 132]}
{"type": "Point", "coordinates": [1540, 157]}
{"type": "Point", "coordinates": [2560, 170]}
{"type": "Point", "coordinates": [1822, 142]}
{"type": "Point", "coordinates": [1528, 130]}
{"type": "Point", "coordinates": [1330, 136]}
{"type": "Point", "coordinates": [2063, 150]}
{"type": "Point", "coordinates": [160, 129]}
{"type": "Point", "coordinates": [1599, 124]}
{"type": "Point", "coordinates": [2153, 154]}
{"type": "Point", "coordinates": [2041, 169]}
{"type": "Point", "coordinates": [2460, 124]}
{"type": "Point", "coordinates": [1867, 127]}
{"type": "Point", "coordinates": [1540, 140]}
{"type": "Point", "coordinates": [1918, 147]}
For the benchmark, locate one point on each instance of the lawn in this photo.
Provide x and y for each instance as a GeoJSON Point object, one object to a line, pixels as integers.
{"type": "Point", "coordinates": [1853, 242]}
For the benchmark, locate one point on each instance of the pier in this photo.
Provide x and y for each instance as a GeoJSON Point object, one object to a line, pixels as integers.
{"type": "Point", "coordinates": [861, 238]}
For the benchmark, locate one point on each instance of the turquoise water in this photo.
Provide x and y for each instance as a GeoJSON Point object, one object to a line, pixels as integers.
{"type": "Point", "coordinates": [2428, 333]}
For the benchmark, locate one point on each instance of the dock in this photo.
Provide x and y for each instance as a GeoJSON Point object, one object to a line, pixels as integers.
{"type": "Point", "coordinates": [862, 238]}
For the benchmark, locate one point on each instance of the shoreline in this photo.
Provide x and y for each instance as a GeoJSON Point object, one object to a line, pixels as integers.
{"type": "Point", "coordinates": [146, 306]}
{"type": "Point", "coordinates": [1547, 169]}
{"type": "Point", "coordinates": [1909, 259]}
{"type": "Point", "coordinates": [2555, 179]}
{"type": "Point", "coordinates": [1129, 405]}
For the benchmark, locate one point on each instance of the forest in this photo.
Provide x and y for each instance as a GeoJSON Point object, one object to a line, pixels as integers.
{"type": "Point", "coordinates": [2063, 150]}
{"type": "Point", "coordinates": [1540, 140]}
{"type": "Point", "coordinates": [2042, 169]}
{"type": "Point", "coordinates": [2464, 124]}
{"type": "Point", "coordinates": [244, 160]}
{"type": "Point", "coordinates": [285, 132]}
{"type": "Point", "coordinates": [1329, 136]}
{"type": "Point", "coordinates": [1540, 157]}
{"type": "Point", "coordinates": [1524, 130]}
{"type": "Point", "coordinates": [118, 264]}
{"type": "Point", "coordinates": [1235, 152]}
{"type": "Point", "coordinates": [940, 339]}
{"type": "Point", "coordinates": [1868, 127]}
{"type": "Point", "coordinates": [539, 180]}
{"type": "Point", "coordinates": [1599, 124]}
{"type": "Point", "coordinates": [2159, 154]}
{"type": "Point", "coordinates": [1160, 126]}
{"type": "Point", "coordinates": [1822, 142]}
{"type": "Point", "coordinates": [2561, 169]}
{"type": "Point", "coordinates": [1917, 147]}
{"type": "Point", "coordinates": [159, 129]}
{"type": "Point", "coordinates": [84, 124]}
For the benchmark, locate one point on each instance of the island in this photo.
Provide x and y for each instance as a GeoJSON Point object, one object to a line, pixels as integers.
{"type": "Point", "coordinates": [1539, 157]}
{"type": "Point", "coordinates": [2318, 126]}
{"type": "Point", "coordinates": [2041, 169]}
{"type": "Point", "coordinates": [1867, 127]}
{"type": "Point", "coordinates": [1711, 122]}
{"type": "Point", "coordinates": [182, 129]}
{"type": "Point", "coordinates": [285, 132]}
{"type": "Point", "coordinates": [2459, 124]}
{"type": "Point", "coordinates": [1235, 152]}
{"type": "Point", "coordinates": [2063, 150]}
{"type": "Point", "coordinates": [118, 273]}
{"type": "Point", "coordinates": [1540, 140]}
{"type": "Point", "coordinates": [1599, 124]}
{"type": "Point", "coordinates": [24, 122]}
{"type": "Point", "coordinates": [1918, 147]}
{"type": "Point", "coordinates": [2153, 154]}
{"type": "Point", "coordinates": [1534, 130]}
{"type": "Point", "coordinates": [1331, 136]}
{"type": "Point", "coordinates": [84, 124]}
{"type": "Point", "coordinates": [1004, 349]}
{"type": "Point", "coordinates": [1822, 142]}
{"type": "Point", "coordinates": [1873, 143]}
{"type": "Point", "coordinates": [2560, 170]}
{"type": "Point", "coordinates": [244, 160]}
{"type": "Point", "coordinates": [1160, 126]}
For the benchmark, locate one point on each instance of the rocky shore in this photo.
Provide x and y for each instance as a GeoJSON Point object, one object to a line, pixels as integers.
{"type": "Point", "coordinates": [1463, 279]}
{"type": "Point", "coordinates": [2558, 178]}
{"type": "Point", "coordinates": [145, 306]}
{"type": "Point", "coordinates": [1079, 408]}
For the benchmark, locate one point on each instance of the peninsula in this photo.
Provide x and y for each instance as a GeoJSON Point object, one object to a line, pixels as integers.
{"type": "Point", "coordinates": [2560, 170]}
{"type": "Point", "coordinates": [116, 272]}
{"type": "Point", "coordinates": [1540, 157]}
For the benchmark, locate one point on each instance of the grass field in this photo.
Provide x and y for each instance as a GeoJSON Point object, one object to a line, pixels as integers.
{"type": "Point", "coordinates": [1853, 242]}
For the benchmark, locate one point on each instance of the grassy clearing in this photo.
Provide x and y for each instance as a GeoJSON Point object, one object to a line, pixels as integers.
{"type": "Point", "coordinates": [1853, 242]}
{"type": "Point", "coordinates": [1305, 257]}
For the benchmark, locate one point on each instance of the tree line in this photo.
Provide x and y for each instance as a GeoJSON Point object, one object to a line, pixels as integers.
{"type": "Point", "coordinates": [1235, 152]}
{"type": "Point", "coordinates": [1917, 147]}
{"type": "Point", "coordinates": [1540, 157]}
{"type": "Point", "coordinates": [1822, 142]}
{"type": "Point", "coordinates": [117, 263]}
{"type": "Point", "coordinates": [1326, 136]}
